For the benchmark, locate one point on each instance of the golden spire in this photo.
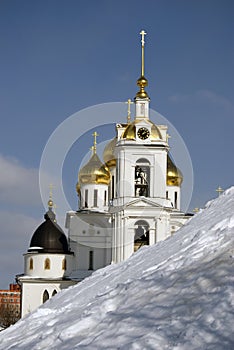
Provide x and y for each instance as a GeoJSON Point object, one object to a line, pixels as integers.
{"type": "Point", "coordinates": [142, 82]}
{"type": "Point", "coordinates": [51, 204]}
{"type": "Point", "coordinates": [94, 147]}
{"type": "Point", "coordinates": [219, 190]}
{"type": "Point", "coordinates": [142, 33]}
{"type": "Point", "coordinates": [129, 102]}
{"type": "Point", "coordinates": [50, 201]}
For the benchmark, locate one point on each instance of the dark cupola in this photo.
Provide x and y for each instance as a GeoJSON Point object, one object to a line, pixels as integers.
{"type": "Point", "coordinates": [49, 236]}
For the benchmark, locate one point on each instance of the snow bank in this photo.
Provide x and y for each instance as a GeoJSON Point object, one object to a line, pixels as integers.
{"type": "Point", "coordinates": [178, 294]}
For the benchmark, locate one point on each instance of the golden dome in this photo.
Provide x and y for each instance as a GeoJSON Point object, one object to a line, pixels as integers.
{"type": "Point", "coordinates": [174, 175]}
{"type": "Point", "coordinates": [108, 154]}
{"type": "Point", "coordinates": [130, 131]}
{"type": "Point", "coordinates": [94, 172]}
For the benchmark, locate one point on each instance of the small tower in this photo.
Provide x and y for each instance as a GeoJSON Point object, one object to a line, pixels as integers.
{"type": "Point", "coordinates": [174, 181]}
{"type": "Point", "coordinates": [47, 264]}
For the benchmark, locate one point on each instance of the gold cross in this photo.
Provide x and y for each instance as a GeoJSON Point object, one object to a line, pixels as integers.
{"type": "Point", "coordinates": [129, 102]}
{"type": "Point", "coordinates": [143, 33]}
{"type": "Point", "coordinates": [95, 134]}
{"type": "Point", "coordinates": [219, 190]}
{"type": "Point", "coordinates": [196, 210]}
{"type": "Point", "coordinates": [51, 186]}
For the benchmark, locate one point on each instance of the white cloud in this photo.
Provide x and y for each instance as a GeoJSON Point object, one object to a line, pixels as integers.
{"type": "Point", "coordinates": [16, 232]}
{"type": "Point", "coordinates": [18, 185]}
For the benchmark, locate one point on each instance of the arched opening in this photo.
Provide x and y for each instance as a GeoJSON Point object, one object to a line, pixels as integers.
{"type": "Point", "coordinates": [141, 237]}
{"type": "Point", "coordinates": [31, 264]}
{"type": "Point", "coordinates": [54, 292]}
{"type": "Point", "coordinates": [47, 264]}
{"type": "Point", "coordinates": [91, 260]}
{"type": "Point", "coordinates": [45, 296]}
{"type": "Point", "coordinates": [142, 178]}
{"type": "Point", "coordinates": [64, 264]}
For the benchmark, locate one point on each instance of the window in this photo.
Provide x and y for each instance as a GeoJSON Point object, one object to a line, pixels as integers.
{"type": "Point", "coordinates": [54, 292]}
{"type": "Point", "coordinates": [64, 264]}
{"type": "Point", "coordinates": [176, 200]}
{"type": "Point", "coordinates": [105, 197]}
{"type": "Point", "coordinates": [95, 197]}
{"type": "Point", "coordinates": [141, 234]}
{"type": "Point", "coordinates": [45, 296]}
{"type": "Point", "coordinates": [31, 264]}
{"type": "Point", "coordinates": [86, 199]}
{"type": "Point", "coordinates": [112, 186]}
{"type": "Point", "coordinates": [166, 194]}
{"type": "Point", "coordinates": [91, 260]}
{"type": "Point", "coordinates": [47, 264]}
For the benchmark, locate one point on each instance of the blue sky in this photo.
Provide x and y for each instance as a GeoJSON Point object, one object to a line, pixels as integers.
{"type": "Point", "coordinates": [58, 57]}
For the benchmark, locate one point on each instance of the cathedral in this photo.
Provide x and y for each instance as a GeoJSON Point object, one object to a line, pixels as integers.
{"type": "Point", "coordinates": [129, 199]}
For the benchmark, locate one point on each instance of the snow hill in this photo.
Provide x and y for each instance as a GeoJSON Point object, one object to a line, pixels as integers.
{"type": "Point", "coordinates": [178, 294]}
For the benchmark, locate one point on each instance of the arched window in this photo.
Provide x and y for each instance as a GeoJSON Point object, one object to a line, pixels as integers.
{"type": "Point", "coordinates": [45, 296]}
{"type": "Point", "coordinates": [86, 199]}
{"type": "Point", "coordinates": [95, 198]}
{"type": "Point", "coordinates": [141, 234]}
{"type": "Point", "coordinates": [142, 177]}
{"type": "Point", "coordinates": [91, 260]}
{"type": "Point", "coordinates": [64, 264]}
{"type": "Point", "coordinates": [47, 264]}
{"type": "Point", "coordinates": [31, 264]}
{"type": "Point", "coordinates": [54, 292]}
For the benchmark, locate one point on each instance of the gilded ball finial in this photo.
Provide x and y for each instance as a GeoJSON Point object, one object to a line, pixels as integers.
{"type": "Point", "coordinates": [50, 203]}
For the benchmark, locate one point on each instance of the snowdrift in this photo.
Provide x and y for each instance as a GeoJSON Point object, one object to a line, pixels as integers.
{"type": "Point", "coordinates": [178, 294]}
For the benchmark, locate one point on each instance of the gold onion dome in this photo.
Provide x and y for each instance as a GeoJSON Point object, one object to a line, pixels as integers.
{"type": "Point", "coordinates": [130, 131]}
{"type": "Point", "coordinates": [108, 153]}
{"type": "Point", "coordinates": [94, 172]}
{"type": "Point", "coordinates": [174, 175]}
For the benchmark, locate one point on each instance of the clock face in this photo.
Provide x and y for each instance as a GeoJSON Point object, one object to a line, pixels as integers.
{"type": "Point", "coordinates": [143, 133]}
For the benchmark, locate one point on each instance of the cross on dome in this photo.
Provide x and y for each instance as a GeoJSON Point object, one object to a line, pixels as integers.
{"type": "Point", "coordinates": [129, 102]}
{"type": "Point", "coordinates": [143, 33]}
{"type": "Point", "coordinates": [94, 147]}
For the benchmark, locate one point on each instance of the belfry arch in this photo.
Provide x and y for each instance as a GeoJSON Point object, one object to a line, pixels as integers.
{"type": "Point", "coordinates": [141, 236]}
{"type": "Point", "coordinates": [142, 178]}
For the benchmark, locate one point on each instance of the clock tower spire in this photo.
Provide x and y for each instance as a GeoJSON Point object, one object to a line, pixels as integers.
{"type": "Point", "coordinates": [142, 99]}
{"type": "Point", "coordinates": [142, 82]}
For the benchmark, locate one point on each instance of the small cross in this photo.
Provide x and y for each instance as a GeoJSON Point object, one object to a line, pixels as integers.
{"type": "Point", "coordinates": [95, 134]}
{"type": "Point", "coordinates": [219, 190]}
{"type": "Point", "coordinates": [196, 210]}
{"type": "Point", "coordinates": [143, 33]}
{"type": "Point", "coordinates": [51, 186]}
{"type": "Point", "coordinates": [129, 102]}
{"type": "Point", "coordinates": [168, 137]}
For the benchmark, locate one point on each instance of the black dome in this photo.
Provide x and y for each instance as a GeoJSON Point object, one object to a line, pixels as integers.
{"type": "Point", "coordinates": [49, 237]}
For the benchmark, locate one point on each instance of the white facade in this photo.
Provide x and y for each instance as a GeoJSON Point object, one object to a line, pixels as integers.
{"type": "Point", "coordinates": [36, 291]}
{"type": "Point", "coordinates": [44, 276]}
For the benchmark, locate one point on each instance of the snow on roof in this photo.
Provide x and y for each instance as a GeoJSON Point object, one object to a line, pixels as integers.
{"type": "Point", "coordinates": [177, 294]}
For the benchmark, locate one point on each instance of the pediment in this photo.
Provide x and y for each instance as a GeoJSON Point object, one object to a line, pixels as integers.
{"type": "Point", "coordinates": [142, 202]}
